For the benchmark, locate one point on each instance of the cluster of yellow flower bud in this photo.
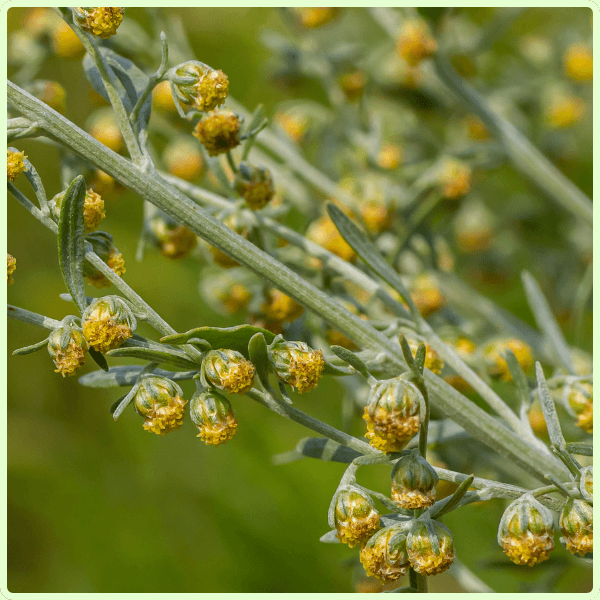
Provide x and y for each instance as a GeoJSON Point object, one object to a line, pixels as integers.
{"type": "Point", "coordinates": [101, 21]}
{"type": "Point", "coordinates": [15, 164]}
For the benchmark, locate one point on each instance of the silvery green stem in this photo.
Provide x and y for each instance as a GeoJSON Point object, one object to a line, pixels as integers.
{"type": "Point", "coordinates": [20, 128]}
{"type": "Point", "coordinates": [120, 113]}
{"type": "Point", "coordinates": [289, 412]}
{"type": "Point", "coordinates": [32, 208]}
{"type": "Point", "coordinates": [467, 579]}
{"type": "Point", "coordinates": [26, 316]}
{"type": "Point", "coordinates": [153, 188]}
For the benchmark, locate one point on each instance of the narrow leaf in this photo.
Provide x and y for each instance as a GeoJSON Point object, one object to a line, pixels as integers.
{"type": "Point", "coordinates": [71, 239]}
{"type": "Point", "coordinates": [520, 381]}
{"type": "Point", "coordinates": [127, 375]}
{"type": "Point", "coordinates": [337, 370]}
{"type": "Point", "coordinates": [580, 448]}
{"type": "Point", "coordinates": [352, 360]}
{"type": "Point", "coordinates": [453, 501]}
{"type": "Point", "coordinates": [124, 403]}
{"type": "Point", "coordinates": [259, 355]}
{"type": "Point", "coordinates": [365, 248]}
{"type": "Point", "coordinates": [330, 538]}
{"type": "Point", "coordinates": [30, 349]}
{"type": "Point", "coordinates": [157, 356]}
{"type": "Point", "coordinates": [546, 321]}
{"type": "Point", "coordinates": [549, 410]}
{"type": "Point", "coordinates": [98, 358]}
{"type": "Point", "coordinates": [116, 403]}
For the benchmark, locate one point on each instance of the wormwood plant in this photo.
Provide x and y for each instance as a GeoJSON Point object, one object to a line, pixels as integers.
{"type": "Point", "coordinates": [374, 288]}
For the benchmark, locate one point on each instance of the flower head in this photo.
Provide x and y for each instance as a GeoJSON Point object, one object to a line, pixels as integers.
{"type": "Point", "coordinates": [103, 247]}
{"type": "Point", "coordinates": [101, 21]}
{"type": "Point", "coordinates": [323, 232]}
{"type": "Point", "coordinates": [526, 531]}
{"type": "Point", "coordinates": [577, 526]}
{"type": "Point", "coordinates": [218, 132]}
{"type": "Point", "coordinates": [11, 265]}
{"type": "Point", "coordinates": [389, 157]}
{"type": "Point", "coordinates": [316, 17]}
{"type": "Point", "coordinates": [415, 42]}
{"type": "Point", "coordinates": [353, 85]}
{"type": "Point", "coordinates": [174, 240]}
{"type": "Point", "coordinates": [413, 482]}
{"type": "Point", "coordinates": [227, 370]}
{"type": "Point", "coordinates": [107, 323]}
{"type": "Point", "coordinates": [430, 547]}
{"type": "Point", "coordinates": [433, 361]}
{"type": "Point", "coordinates": [15, 164]}
{"type": "Point", "coordinates": [182, 159]}
{"type": "Point", "coordinates": [392, 414]}
{"type": "Point", "coordinates": [67, 346]}
{"type": "Point", "coordinates": [494, 356]}
{"type": "Point", "coordinates": [427, 295]}
{"type": "Point", "coordinates": [579, 63]}
{"type": "Point", "coordinates": [581, 400]}
{"type": "Point", "coordinates": [204, 88]}
{"type": "Point", "coordinates": [159, 400]}
{"type": "Point", "coordinates": [384, 556]}
{"type": "Point", "coordinates": [280, 307]}
{"type": "Point", "coordinates": [93, 209]}
{"type": "Point", "coordinates": [586, 483]}
{"type": "Point", "coordinates": [255, 185]}
{"type": "Point", "coordinates": [355, 517]}
{"type": "Point", "coordinates": [565, 111]}
{"type": "Point", "coordinates": [104, 127]}
{"type": "Point", "coordinates": [212, 414]}
{"type": "Point", "coordinates": [455, 179]}
{"type": "Point", "coordinates": [296, 364]}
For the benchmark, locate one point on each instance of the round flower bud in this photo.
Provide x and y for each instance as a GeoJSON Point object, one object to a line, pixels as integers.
{"type": "Point", "coordinates": [389, 157]}
{"type": "Point", "coordinates": [322, 231]}
{"type": "Point", "coordinates": [526, 531]}
{"type": "Point", "coordinates": [296, 364]}
{"type": "Point", "coordinates": [50, 92]}
{"type": "Point", "coordinates": [455, 179]}
{"type": "Point", "coordinates": [579, 63]}
{"type": "Point", "coordinates": [103, 247]}
{"type": "Point", "coordinates": [430, 547]}
{"type": "Point", "coordinates": [213, 415]}
{"type": "Point", "coordinates": [182, 159]}
{"type": "Point", "coordinates": [67, 346]}
{"type": "Point", "coordinates": [415, 42]}
{"type": "Point", "coordinates": [316, 17]}
{"type": "Point", "coordinates": [162, 99]}
{"type": "Point", "coordinates": [426, 295]}
{"type": "Point", "coordinates": [174, 240]}
{"type": "Point", "coordinates": [586, 483]}
{"type": "Point", "coordinates": [104, 127]}
{"type": "Point", "coordinates": [218, 132]}
{"type": "Point", "coordinates": [355, 517]}
{"type": "Point", "coordinates": [11, 265]}
{"type": "Point", "coordinates": [496, 363]}
{"type": "Point", "coordinates": [280, 307]}
{"type": "Point", "coordinates": [353, 85]}
{"type": "Point", "coordinates": [433, 361]}
{"type": "Point", "coordinates": [255, 185]}
{"type": "Point", "coordinates": [15, 164]}
{"type": "Point", "coordinates": [205, 89]}
{"type": "Point", "coordinates": [565, 111]}
{"type": "Point", "coordinates": [227, 370]}
{"type": "Point", "coordinates": [294, 126]}
{"type": "Point", "coordinates": [581, 400]}
{"type": "Point", "coordinates": [65, 42]}
{"type": "Point", "coordinates": [413, 482]}
{"type": "Point", "coordinates": [107, 323]}
{"type": "Point", "coordinates": [577, 526]}
{"type": "Point", "coordinates": [93, 209]}
{"type": "Point", "coordinates": [101, 21]}
{"type": "Point", "coordinates": [384, 556]}
{"type": "Point", "coordinates": [392, 414]}
{"type": "Point", "coordinates": [159, 400]}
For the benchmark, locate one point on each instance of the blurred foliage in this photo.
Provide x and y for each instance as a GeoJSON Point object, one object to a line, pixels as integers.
{"type": "Point", "coordinates": [98, 506]}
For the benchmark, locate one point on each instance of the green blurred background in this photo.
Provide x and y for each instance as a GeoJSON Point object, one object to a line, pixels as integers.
{"type": "Point", "coordinates": [99, 506]}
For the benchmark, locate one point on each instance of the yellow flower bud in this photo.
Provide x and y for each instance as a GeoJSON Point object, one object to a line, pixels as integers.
{"type": "Point", "coordinates": [15, 164]}
{"type": "Point", "coordinates": [104, 127]}
{"type": "Point", "coordinates": [67, 346]}
{"type": "Point", "coordinates": [384, 556]}
{"type": "Point", "coordinates": [93, 209]}
{"type": "Point", "coordinates": [296, 364]}
{"type": "Point", "coordinates": [413, 482]}
{"type": "Point", "coordinates": [316, 17]}
{"type": "Point", "coordinates": [174, 240]}
{"type": "Point", "coordinates": [280, 307]}
{"type": "Point", "coordinates": [182, 159]}
{"type": "Point", "coordinates": [433, 361]}
{"type": "Point", "coordinates": [213, 415]}
{"type": "Point", "coordinates": [159, 400]}
{"type": "Point", "coordinates": [11, 265]}
{"type": "Point", "coordinates": [476, 128]}
{"type": "Point", "coordinates": [415, 42]}
{"type": "Point", "coordinates": [101, 21]}
{"type": "Point", "coordinates": [353, 85]}
{"type": "Point", "coordinates": [355, 517]}
{"type": "Point", "coordinates": [390, 157]}
{"type": "Point", "coordinates": [104, 248]}
{"type": "Point", "coordinates": [162, 99]}
{"type": "Point", "coordinates": [392, 414]}
{"type": "Point", "coordinates": [577, 526]}
{"type": "Point", "coordinates": [65, 42]}
{"type": "Point", "coordinates": [586, 483]}
{"type": "Point", "coordinates": [565, 111]}
{"type": "Point", "coordinates": [255, 185]}
{"type": "Point", "coordinates": [324, 232]}
{"type": "Point", "coordinates": [427, 295]}
{"type": "Point", "coordinates": [537, 420]}
{"type": "Point", "coordinates": [219, 132]}
{"type": "Point", "coordinates": [39, 21]}
{"type": "Point", "coordinates": [455, 179]}
{"type": "Point", "coordinates": [107, 323]}
{"type": "Point", "coordinates": [497, 365]}
{"type": "Point", "coordinates": [526, 531]}
{"type": "Point", "coordinates": [294, 127]}
{"type": "Point", "coordinates": [102, 183]}
{"type": "Point", "coordinates": [227, 370]}
{"type": "Point", "coordinates": [52, 93]}
{"type": "Point", "coordinates": [430, 547]}
{"type": "Point", "coordinates": [579, 63]}
{"type": "Point", "coordinates": [212, 90]}
{"type": "Point", "coordinates": [581, 400]}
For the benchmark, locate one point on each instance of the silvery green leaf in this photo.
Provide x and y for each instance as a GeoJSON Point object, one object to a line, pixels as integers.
{"type": "Point", "coordinates": [127, 375]}
{"type": "Point", "coordinates": [259, 355]}
{"type": "Point", "coordinates": [128, 80]}
{"type": "Point", "coordinates": [548, 408]}
{"type": "Point", "coordinates": [351, 359]}
{"type": "Point", "coordinates": [327, 450]}
{"type": "Point", "coordinates": [580, 448]}
{"type": "Point", "coordinates": [520, 381]}
{"type": "Point", "coordinates": [330, 538]}
{"type": "Point", "coordinates": [30, 349]}
{"type": "Point", "coordinates": [365, 248]}
{"type": "Point", "coordinates": [337, 370]}
{"type": "Point", "coordinates": [124, 403]}
{"type": "Point", "coordinates": [71, 239]}
{"type": "Point", "coordinates": [154, 355]}
{"type": "Point", "coordinates": [98, 358]}
{"type": "Point", "coordinates": [447, 504]}
{"type": "Point", "coordinates": [546, 321]}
